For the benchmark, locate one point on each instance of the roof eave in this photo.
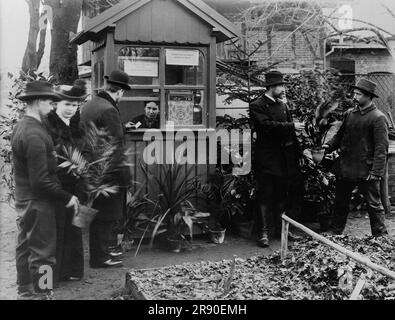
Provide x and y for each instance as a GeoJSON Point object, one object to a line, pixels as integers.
{"type": "Point", "coordinates": [223, 29]}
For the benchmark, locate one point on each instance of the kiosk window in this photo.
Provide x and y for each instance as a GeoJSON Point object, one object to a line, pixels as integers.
{"type": "Point", "coordinates": [169, 82]}
{"type": "Point", "coordinates": [142, 64]}
{"type": "Point", "coordinates": [184, 67]}
{"type": "Point", "coordinates": [184, 107]}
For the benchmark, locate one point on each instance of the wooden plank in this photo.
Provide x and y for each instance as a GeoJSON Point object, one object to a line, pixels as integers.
{"type": "Point", "coordinates": [211, 103]}
{"type": "Point", "coordinates": [132, 289]}
{"type": "Point", "coordinates": [358, 288]}
{"type": "Point", "coordinates": [109, 56]}
{"type": "Point", "coordinates": [355, 256]}
{"type": "Point", "coordinates": [114, 14]}
{"type": "Point", "coordinates": [284, 239]}
{"type": "Point", "coordinates": [168, 32]}
{"type": "Point", "coordinates": [144, 16]}
{"type": "Point", "coordinates": [158, 21]}
{"type": "Point", "coordinates": [121, 30]}
{"type": "Point", "coordinates": [212, 17]}
{"type": "Point", "coordinates": [384, 192]}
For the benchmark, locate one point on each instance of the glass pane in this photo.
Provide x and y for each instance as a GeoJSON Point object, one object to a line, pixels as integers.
{"type": "Point", "coordinates": [184, 67]}
{"type": "Point", "coordinates": [141, 64]}
{"type": "Point", "coordinates": [143, 111]}
{"type": "Point", "coordinates": [184, 107]}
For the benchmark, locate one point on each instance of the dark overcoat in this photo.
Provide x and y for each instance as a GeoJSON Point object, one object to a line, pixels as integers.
{"type": "Point", "coordinates": [363, 143]}
{"type": "Point", "coordinates": [103, 112]}
{"type": "Point", "coordinates": [64, 135]}
{"type": "Point", "coordinates": [69, 247]}
{"type": "Point", "coordinates": [276, 149]}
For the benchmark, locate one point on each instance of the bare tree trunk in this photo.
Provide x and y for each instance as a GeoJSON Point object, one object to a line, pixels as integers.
{"type": "Point", "coordinates": [29, 62]}
{"type": "Point", "coordinates": [63, 56]}
{"type": "Point", "coordinates": [41, 45]}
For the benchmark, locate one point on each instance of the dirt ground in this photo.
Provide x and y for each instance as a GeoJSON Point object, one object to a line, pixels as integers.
{"type": "Point", "coordinates": [100, 284]}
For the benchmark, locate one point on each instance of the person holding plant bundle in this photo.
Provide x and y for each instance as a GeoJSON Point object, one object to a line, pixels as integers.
{"type": "Point", "coordinates": [103, 112]}
{"type": "Point", "coordinates": [38, 193]}
{"type": "Point", "coordinates": [63, 126]}
{"type": "Point", "coordinates": [363, 143]}
{"type": "Point", "coordinates": [276, 161]}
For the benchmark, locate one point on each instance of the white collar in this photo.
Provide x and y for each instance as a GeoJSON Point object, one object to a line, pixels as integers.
{"type": "Point", "coordinates": [271, 98]}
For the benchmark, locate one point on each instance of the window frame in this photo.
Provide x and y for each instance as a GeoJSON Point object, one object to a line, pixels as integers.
{"type": "Point", "coordinates": [163, 88]}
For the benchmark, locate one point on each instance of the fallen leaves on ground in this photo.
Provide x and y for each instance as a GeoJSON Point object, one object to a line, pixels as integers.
{"type": "Point", "coordinates": [311, 271]}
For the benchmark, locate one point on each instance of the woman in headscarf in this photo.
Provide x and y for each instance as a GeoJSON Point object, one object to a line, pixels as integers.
{"type": "Point", "coordinates": [63, 126]}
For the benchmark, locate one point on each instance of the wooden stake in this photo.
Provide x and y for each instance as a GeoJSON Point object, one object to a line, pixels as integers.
{"type": "Point", "coordinates": [357, 257]}
{"type": "Point", "coordinates": [358, 287]}
{"type": "Point", "coordinates": [228, 281]}
{"type": "Point", "coordinates": [284, 239]}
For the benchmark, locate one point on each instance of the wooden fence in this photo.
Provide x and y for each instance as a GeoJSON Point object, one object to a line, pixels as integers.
{"type": "Point", "coordinates": [355, 256]}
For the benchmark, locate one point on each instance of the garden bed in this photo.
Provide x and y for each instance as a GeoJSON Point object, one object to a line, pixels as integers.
{"type": "Point", "coordinates": [310, 271]}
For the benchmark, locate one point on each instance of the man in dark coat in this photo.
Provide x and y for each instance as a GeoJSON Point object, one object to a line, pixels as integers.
{"type": "Point", "coordinates": [363, 143]}
{"type": "Point", "coordinates": [37, 192]}
{"type": "Point", "coordinates": [276, 154]}
{"type": "Point", "coordinates": [102, 110]}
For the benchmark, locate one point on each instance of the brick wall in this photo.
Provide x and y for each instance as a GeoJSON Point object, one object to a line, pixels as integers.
{"type": "Point", "coordinates": [299, 52]}
{"type": "Point", "coordinates": [367, 61]}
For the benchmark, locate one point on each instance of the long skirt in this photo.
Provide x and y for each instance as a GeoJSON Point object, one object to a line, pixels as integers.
{"type": "Point", "coordinates": [69, 247]}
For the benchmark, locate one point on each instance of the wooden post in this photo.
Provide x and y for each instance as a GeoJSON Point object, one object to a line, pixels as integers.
{"type": "Point", "coordinates": [357, 257]}
{"type": "Point", "coordinates": [284, 238]}
{"type": "Point", "coordinates": [384, 194]}
{"type": "Point", "coordinates": [358, 288]}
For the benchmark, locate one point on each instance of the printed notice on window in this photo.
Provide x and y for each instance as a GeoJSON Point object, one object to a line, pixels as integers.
{"type": "Point", "coordinates": [141, 68]}
{"type": "Point", "coordinates": [181, 109]}
{"type": "Point", "coordinates": [182, 57]}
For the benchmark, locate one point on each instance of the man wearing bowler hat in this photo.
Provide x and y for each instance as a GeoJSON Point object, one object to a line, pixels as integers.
{"type": "Point", "coordinates": [38, 191]}
{"type": "Point", "coordinates": [363, 143]}
{"type": "Point", "coordinates": [103, 111]}
{"type": "Point", "coordinates": [276, 155]}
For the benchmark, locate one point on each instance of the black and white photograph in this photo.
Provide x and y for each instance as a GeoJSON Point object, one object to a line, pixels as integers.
{"type": "Point", "coordinates": [198, 157]}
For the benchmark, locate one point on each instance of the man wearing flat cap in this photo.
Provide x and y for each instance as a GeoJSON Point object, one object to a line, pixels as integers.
{"type": "Point", "coordinates": [363, 143]}
{"type": "Point", "coordinates": [38, 192]}
{"type": "Point", "coordinates": [103, 111]}
{"type": "Point", "coordinates": [276, 155]}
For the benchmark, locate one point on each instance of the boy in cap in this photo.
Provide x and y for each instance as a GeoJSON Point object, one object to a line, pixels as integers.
{"type": "Point", "coordinates": [37, 192]}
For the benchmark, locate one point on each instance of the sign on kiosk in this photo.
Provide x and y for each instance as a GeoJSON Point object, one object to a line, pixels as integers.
{"type": "Point", "coordinates": [141, 68]}
{"type": "Point", "coordinates": [182, 57]}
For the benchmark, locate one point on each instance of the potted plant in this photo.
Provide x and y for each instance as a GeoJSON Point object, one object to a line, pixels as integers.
{"type": "Point", "coordinates": [182, 220]}
{"type": "Point", "coordinates": [96, 175]}
{"type": "Point", "coordinates": [174, 213]}
{"type": "Point", "coordinates": [319, 185]}
{"type": "Point", "coordinates": [230, 197]}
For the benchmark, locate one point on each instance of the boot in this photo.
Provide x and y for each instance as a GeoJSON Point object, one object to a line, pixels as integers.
{"type": "Point", "coordinates": [263, 238]}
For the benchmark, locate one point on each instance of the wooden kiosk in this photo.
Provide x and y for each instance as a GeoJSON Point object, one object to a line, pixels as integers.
{"type": "Point", "coordinates": [168, 48]}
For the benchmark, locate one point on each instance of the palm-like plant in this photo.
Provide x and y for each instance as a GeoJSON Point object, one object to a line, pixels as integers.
{"type": "Point", "coordinates": [174, 207]}
{"type": "Point", "coordinates": [230, 195]}
{"type": "Point", "coordinates": [96, 165]}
